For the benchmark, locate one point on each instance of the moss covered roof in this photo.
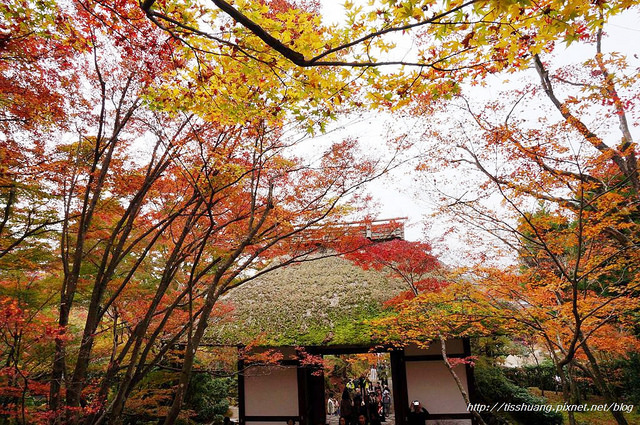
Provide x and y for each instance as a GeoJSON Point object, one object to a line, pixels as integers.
{"type": "Point", "coordinates": [322, 302]}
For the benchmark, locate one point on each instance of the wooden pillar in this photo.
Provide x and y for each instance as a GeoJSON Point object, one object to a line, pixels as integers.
{"type": "Point", "coordinates": [400, 391]}
{"type": "Point", "coordinates": [315, 401]}
{"type": "Point", "coordinates": [241, 393]}
{"type": "Point", "coordinates": [302, 396]}
{"type": "Point", "coordinates": [311, 397]}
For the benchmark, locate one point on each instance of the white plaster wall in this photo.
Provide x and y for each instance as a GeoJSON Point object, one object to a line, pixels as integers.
{"type": "Point", "coordinates": [271, 391]}
{"type": "Point", "coordinates": [431, 383]}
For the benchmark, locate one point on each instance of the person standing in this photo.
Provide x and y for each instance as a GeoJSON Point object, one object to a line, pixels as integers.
{"type": "Point", "coordinates": [346, 407]}
{"type": "Point", "coordinates": [386, 402]}
{"type": "Point", "coordinates": [374, 418]}
{"type": "Point", "coordinates": [358, 405]}
{"type": "Point", "coordinates": [417, 414]}
{"type": "Point", "coordinates": [362, 384]}
{"type": "Point", "coordinates": [373, 374]}
{"type": "Point", "coordinates": [382, 374]}
{"type": "Point", "coordinates": [378, 387]}
{"type": "Point", "coordinates": [331, 406]}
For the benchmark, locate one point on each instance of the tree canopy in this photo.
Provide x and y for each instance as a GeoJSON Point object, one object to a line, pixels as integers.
{"type": "Point", "coordinates": [150, 163]}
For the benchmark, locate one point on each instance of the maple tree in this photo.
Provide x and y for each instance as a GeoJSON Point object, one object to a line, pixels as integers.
{"type": "Point", "coordinates": [456, 309]}
{"type": "Point", "coordinates": [589, 241]}
{"type": "Point", "coordinates": [156, 202]}
{"type": "Point", "coordinates": [32, 99]}
{"type": "Point", "coordinates": [568, 183]}
{"type": "Point", "coordinates": [454, 41]}
{"type": "Point", "coordinates": [31, 96]}
{"type": "Point", "coordinates": [145, 170]}
{"type": "Point", "coordinates": [412, 262]}
{"type": "Point", "coordinates": [436, 306]}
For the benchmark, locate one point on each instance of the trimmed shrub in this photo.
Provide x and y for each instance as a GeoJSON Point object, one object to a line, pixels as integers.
{"type": "Point", "coordinates": [494, 387]}
{"type": "Point", "coordinates": [208, 397]}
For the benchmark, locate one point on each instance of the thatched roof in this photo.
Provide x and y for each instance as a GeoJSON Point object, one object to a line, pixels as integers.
{"type": "Point", "coordinates": [322, 302]}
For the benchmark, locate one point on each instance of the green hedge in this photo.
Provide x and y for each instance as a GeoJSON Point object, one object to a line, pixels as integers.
{"type": "Point", "coordinates": [494, 387]}
{"type": "Point", "coordinates": [208, 397]}
{"type": "Point", "coordinates": [541, 376]}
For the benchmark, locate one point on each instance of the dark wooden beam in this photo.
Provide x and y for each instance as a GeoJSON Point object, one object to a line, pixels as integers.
{"type": "Point", "coordinates": [302, 396]}
{"type": "Point", "coordinates": [432, 357]}
{"type": "Point", "coordinates": [241, 392]}
{"type": "Point", "coordinates": [399, 384]}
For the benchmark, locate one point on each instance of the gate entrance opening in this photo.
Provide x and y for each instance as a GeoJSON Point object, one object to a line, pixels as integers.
{"type": "Point", "coordinates": [360, 382]}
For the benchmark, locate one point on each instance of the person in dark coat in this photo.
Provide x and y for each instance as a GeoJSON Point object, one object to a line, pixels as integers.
{"type": "Point", "coordinates": [417, 414]}
{"type": "Point", "coordinates": [374, 417]}
{"type": "Point", "coordinates": [359, 406]}
{"type": "Point", "coordinates": [347, 410]}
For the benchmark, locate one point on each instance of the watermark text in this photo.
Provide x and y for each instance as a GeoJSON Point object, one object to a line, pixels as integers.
{"type": "Point", "coordinates": [565, 407]}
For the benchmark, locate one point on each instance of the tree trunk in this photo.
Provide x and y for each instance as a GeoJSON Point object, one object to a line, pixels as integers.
{"type": "Point", "coordinates": [190, 355]}
{"type": "Point", "coordinates": [566, 392]}
{"type": "Point", "coordinates": [59, 366]}
{"type": "Point", "coordinates": [601, 383]}
{"type": "Point", "coordinates": [576, 397]}
{"type": "Point", "coordinates": [465, 396]}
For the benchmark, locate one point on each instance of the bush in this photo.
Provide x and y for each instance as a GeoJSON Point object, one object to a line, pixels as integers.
{"type": "Point", "coordinates": [541, 376]}
{"type": "Point", "coordinates": [629, 388]}
{"type": "Point", "coordinates": [208, 397]}
{"type": "Point", "coordinates": [206, 400]}
{"type": "Point", "coordinates": [494, 387]}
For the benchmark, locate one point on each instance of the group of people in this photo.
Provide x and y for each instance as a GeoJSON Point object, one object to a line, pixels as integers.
{"type": "Point", "coordinates": [369, 413]}
{"type": "Point", "coordinates": [361, 403]}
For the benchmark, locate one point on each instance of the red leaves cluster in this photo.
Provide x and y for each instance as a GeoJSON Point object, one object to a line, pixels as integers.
{"type": "Point", "coordinates": [412, 262]}
{"type": "Point", "coordinates": [397, 255]}
{"type": "Point", "coordinates": [469, 360]}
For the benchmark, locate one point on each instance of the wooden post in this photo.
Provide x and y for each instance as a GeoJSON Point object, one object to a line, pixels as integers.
{"type": "Point", "coordinates": [302, 396]}
{"type": "Point", "coordinates": [400, 391]}
{"type": "Point", "coordinates": [241, 394]}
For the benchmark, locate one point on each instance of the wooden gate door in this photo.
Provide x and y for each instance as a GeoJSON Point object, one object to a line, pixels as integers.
{"type": "Point", "coordinates": [270, 395]}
